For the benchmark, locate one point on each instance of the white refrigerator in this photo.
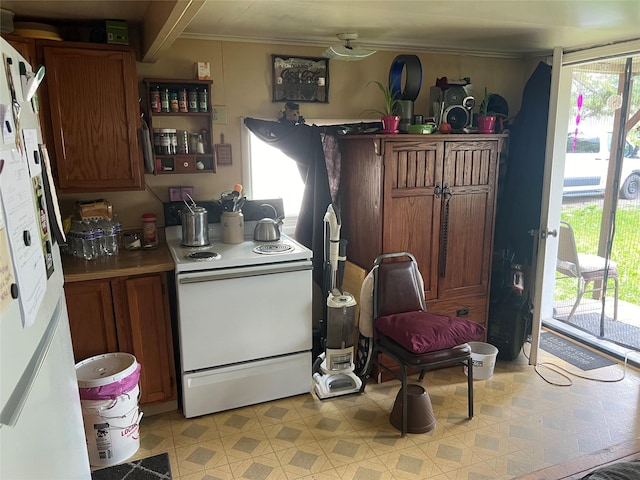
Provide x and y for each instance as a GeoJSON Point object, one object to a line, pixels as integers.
{"type": "Point", "coordinates": [41, 426]}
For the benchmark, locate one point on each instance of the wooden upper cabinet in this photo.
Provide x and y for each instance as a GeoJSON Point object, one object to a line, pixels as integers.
{"type": "Point", "coordinates": [90, 98]}
{"type": "Point", "coordinates": [25, 47]}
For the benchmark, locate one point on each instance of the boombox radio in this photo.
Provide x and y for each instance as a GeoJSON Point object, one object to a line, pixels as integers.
{"type": "Point", "coordinates": [454, 105]}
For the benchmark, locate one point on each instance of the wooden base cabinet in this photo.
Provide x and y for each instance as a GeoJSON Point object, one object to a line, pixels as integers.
{"type": "Point", "coordinates": [126, 314]}
{"type": "Point", "coordinates": [433, 196]}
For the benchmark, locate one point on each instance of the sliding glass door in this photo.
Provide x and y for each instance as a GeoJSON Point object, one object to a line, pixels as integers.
{"type": "Point", "coordinates": [591, 206]}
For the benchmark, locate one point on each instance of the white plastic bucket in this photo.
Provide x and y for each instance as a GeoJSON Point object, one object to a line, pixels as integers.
{"type": "Point", "coordinates": [107, 376]}
{"type": "Point", "coordinates": [483, 356]}
{"type": "Point", "coordinates": [112, 423]}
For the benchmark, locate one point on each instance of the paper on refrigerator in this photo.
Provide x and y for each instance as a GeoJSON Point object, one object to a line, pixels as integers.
{"type": "Point", "coordinates": [23, 234]}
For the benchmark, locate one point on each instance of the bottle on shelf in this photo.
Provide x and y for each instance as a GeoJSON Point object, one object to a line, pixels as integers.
{"type": "Point", "coordinates": [203, 100]}
{"type": "Point", "coordinates": [154, 95]}
{"type": "Point", "coordinates": [193, 100]}
{"type": "Point", "coordinates": [183, 100]}
{"type": "Point", "coordinates": [173, 101]}
{"type": "Point", "coordinates": [183, 142]}
{"type": "Point", "coordinates": [164, 100]}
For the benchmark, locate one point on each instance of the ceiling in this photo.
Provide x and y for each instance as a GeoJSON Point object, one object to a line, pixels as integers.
{"type": "Point", "coordinates": [488, 27]}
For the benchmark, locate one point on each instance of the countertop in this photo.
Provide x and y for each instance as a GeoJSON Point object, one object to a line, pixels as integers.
{"type": "Point", "coordinates": [125, 263]}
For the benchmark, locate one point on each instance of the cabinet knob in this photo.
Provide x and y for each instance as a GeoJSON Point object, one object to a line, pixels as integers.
{"type": "Point", "coordinates": [185, 164]}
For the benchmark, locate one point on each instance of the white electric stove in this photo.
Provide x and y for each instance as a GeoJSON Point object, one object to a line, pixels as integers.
{"type": "Point", "coordinates": [244, 320]}
{"type": "Point", "coordinates": [221, 255]}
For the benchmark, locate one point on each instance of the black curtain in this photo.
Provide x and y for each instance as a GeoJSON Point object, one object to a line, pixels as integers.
{"type": "Point", "coordinates": [303, 143]}
{"type": "Point", "coordinates": [522, 198]}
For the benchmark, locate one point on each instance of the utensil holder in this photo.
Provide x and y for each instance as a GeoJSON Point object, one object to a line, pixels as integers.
{"type": "Point", "coordinates": [232, 227]}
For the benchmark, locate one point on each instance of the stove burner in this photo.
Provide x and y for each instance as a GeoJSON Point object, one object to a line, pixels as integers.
{"type": "Point", "coordinates": [270, 248]}
{"type": "Point", "coordinates": [202, 256]}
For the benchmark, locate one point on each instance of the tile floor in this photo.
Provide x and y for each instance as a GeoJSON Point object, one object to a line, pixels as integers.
{"type": "Point", "coordinates": [521, 424]}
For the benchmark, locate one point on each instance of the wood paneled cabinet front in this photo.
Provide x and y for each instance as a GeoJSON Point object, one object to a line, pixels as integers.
{"type": "Point", "coordinates": [126, 314]}
{"type": "Point", "coordinates": [89, 102]}
{"type": "Point", "coordinates": [433, 196]}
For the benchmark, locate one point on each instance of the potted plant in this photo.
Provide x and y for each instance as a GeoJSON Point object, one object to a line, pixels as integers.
{"type": "Point", "coordinates": [487, 118]}
{"type": "Point", "coordinates": [389, 116]}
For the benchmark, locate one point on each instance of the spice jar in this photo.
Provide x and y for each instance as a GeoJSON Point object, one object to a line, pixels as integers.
{"type": "Point", "coordinates": [203, 100]}
{"type": "Point", "coordinates": [149, 231]}
{"type": "Point", "coordinates": [173, 102]}
{"type": "Point", "coordinates": [164, 100]}
{"type": "Point", "coordinates": [183, 100]}
{"type": "Point", "coordinates": [155, 98]}
{"type": "Point", "coordinates": [193, 100]}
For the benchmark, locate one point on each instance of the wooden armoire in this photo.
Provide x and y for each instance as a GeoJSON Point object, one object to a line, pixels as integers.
{"type": "Point", "coordinates": [433, 196]}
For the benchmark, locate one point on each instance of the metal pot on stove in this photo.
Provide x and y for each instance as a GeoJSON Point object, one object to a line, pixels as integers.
{"type": "Point", "coordinates": [195, 225]}
{"type": "Point", "coordinates": [268, 229]}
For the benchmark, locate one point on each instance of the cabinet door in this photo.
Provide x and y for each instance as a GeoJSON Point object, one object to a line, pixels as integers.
{"type": "Point", "coordinates": [412, 176]}
{"type": "Point", "coordinates": [25, 47]}
{"type": "Point", "coordinates": [470, 171]}
{"type": "Point", "coordinates": [91, 318]}
{"type": "Point", "coordinates": [146, 333]}
{"type": "Point", "coordinates": [92, 104]}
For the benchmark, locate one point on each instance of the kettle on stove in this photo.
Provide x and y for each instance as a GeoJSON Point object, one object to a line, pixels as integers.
{"type": "Point", "coordinates": [267, 229]}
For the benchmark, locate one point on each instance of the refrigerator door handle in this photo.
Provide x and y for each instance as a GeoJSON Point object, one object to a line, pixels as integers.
{"type": "Point", "coordinates": [15, 403]}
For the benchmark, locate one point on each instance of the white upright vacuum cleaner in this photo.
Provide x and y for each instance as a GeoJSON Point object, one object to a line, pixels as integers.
{"type": "Point", "coordinates": [334, 368]}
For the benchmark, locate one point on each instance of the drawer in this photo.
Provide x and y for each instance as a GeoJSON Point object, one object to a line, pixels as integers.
{"type": "Point", "coordinates": [473, 308]}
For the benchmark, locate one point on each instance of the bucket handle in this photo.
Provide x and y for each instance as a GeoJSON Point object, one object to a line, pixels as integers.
{"type": "Point", "coordinates": [116, 427]}
{"type": "Point", "coordinates": [128, 397]}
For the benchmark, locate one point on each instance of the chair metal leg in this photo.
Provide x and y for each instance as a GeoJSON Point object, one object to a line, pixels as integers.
{"type": "Point", "coordinates": [582, 287]}
{"type": "Point", "coordinates": [470, 385]}
{"type": "Point", "coordinates": [404, 399]}
{"type": "Point", "coordinates": [615, 298]}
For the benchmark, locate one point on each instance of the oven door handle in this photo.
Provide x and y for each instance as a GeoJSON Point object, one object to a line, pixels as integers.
{"type": "Point", "coordinates": [243, 272]}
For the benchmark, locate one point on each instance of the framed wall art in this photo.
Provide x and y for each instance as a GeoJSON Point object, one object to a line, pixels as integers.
{"type": "Point", "coordinates": [300, 79]}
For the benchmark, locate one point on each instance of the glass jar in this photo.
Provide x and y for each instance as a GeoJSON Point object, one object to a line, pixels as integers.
{"type": "Point", "coordinates": [173, 135]}
{"type": "Point", "coordinates": [149, 231]}
{"type": "Point", "coordinates": [156, 141]}
{"type": "Point", "coordinates": [183, 142]}
{"type": "Point", "coordinates": [164, 141]}
{"type": "Point", "coordinates": [200, 144]}
{"type": "Point", "coordinates": [193, 142]}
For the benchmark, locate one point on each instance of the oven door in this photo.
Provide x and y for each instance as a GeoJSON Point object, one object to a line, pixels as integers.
{"type": "Point", "coordinates": [235, 315]}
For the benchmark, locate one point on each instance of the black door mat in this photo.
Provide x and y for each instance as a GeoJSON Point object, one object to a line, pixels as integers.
{"type": "Point", "coordinates": [614, 331]}
{"type": "Point", "coordinates": [570, 352]}
{"type": "Point", "coordinates": [150, 468]}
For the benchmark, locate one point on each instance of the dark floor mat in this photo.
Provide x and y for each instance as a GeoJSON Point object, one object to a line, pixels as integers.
{"type": "Point", "coordinates": [150, 468]}
{"type": "Point", "coordinates": [570, 352]}
{"type": "Point", "coordinates": [615, 331]}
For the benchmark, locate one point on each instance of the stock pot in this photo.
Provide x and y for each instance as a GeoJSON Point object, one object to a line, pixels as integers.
{"type": "Point", "coordinates": [195, 226]}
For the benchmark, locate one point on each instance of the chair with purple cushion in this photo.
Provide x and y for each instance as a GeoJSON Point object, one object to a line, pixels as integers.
{"type": "Point", "coordinates": [407, 333]}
